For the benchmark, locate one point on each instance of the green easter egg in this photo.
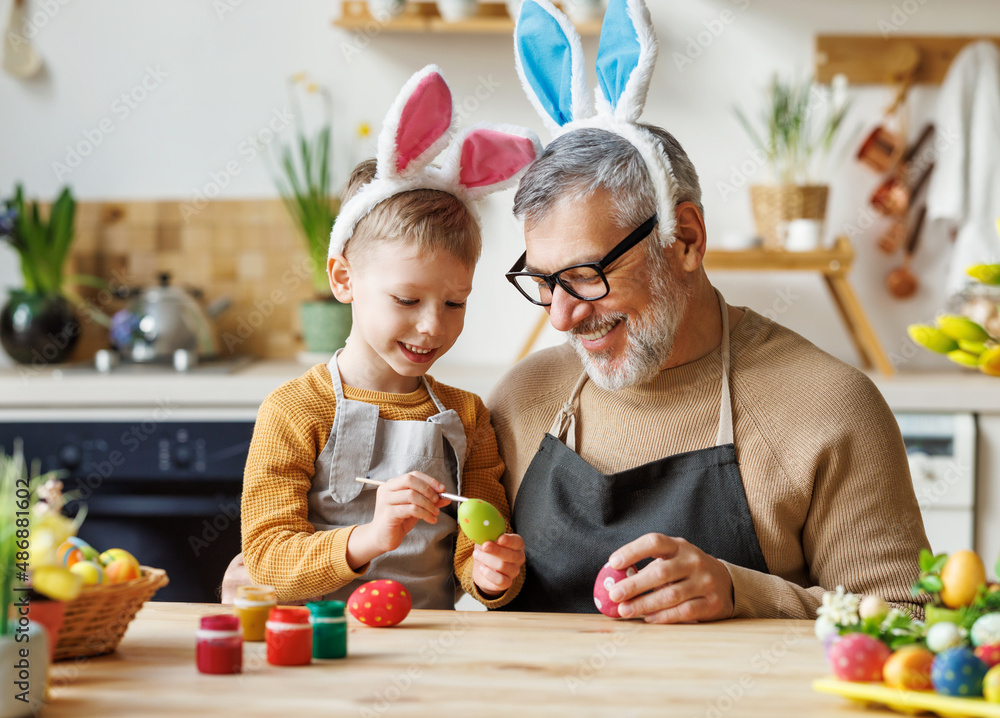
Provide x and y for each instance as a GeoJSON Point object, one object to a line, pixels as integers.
{"type": "Point", "coordinates": [480, 521]}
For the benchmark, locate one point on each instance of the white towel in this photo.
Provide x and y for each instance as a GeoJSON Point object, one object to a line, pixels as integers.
{"type": "Point", "coordinates": [965, 187]}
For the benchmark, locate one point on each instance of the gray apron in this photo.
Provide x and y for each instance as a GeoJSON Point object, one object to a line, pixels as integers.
{"type": "Point", "coordinates": [363, 444]}
{"type": "Point", "coordinates": [572, 517]}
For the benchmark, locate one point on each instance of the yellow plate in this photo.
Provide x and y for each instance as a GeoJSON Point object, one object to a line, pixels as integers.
{"type": "Point", "coordinates": [910, 702]}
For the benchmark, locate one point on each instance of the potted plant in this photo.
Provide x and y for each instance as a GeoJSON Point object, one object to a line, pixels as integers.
{"type": "Point", "coordinates": [303, 178]}
{"type": "Point", "coordinates": [795, 132]}
{"type": "Point", "coordinates": [28, 546]}
{"type": "Point", "coordinates": [37, 322]}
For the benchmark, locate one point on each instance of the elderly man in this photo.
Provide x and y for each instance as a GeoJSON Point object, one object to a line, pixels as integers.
{"type": "Point", "coordinates": [745, 470]}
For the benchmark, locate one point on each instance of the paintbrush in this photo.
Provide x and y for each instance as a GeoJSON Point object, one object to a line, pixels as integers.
{"type": "Point", "coordinates": [373, 482]}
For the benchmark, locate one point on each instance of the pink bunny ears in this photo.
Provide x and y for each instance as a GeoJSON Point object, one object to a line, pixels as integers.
{"type": "Point", "coordinates": [484, 158]}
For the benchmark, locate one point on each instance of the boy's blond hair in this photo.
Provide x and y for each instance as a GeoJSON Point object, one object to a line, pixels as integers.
{"type": "Point", "coordinates": [429, 218]}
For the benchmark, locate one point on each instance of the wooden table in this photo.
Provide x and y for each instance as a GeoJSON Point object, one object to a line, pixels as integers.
{"type": "Point", "coordinates": [465, 664]}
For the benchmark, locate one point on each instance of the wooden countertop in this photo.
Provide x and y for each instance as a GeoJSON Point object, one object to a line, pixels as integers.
{"type": "Point", "coordinates": [465, 664]}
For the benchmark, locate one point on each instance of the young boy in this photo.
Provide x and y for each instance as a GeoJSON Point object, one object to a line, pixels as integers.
{"type": "Point", "coordinates": [403, 253]}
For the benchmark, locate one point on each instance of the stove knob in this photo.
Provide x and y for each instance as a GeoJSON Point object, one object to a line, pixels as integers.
{"type": "Point", "coordinates": [183, 456]}
{"type": "Point", "coordinates": [70, 456]}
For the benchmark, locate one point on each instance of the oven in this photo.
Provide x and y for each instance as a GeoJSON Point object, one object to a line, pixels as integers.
{"type": "Point", "coordinates": [162, 483]}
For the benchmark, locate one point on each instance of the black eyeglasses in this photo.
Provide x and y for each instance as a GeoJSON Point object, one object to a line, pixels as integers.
{"type": "Point", "coordinates": [583, 281]}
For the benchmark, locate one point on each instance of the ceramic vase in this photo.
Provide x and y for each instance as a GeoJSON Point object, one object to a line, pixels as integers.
{"type": "Point", "coordinates": [385, 10]}
{"type": "Point", "coordinates": [48, 614]}
{"type": "Point", "coordinates": [325, 325]}
{"type": "Point", "coordinates": [38, 328]}
{"type": "Point", "coordinates": [27, 664]}
{"type": "Point", "coordinates": [457, 10]}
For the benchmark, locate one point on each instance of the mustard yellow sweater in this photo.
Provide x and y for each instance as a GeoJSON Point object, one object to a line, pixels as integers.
{"type": "Point", "coordinates": [822, 460]}
{"type": "Point", "coordinates": [280, 547]}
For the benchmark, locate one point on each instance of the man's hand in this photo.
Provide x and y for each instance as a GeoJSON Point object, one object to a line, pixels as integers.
{"type": "Point", "coordinates": [681, 585]}
{"type": "Point", "coordinates": [399, 503]}
{"type": "Point", "coordinates": [496, 564]}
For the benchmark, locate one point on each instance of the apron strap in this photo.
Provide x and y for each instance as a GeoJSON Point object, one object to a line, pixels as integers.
{"type": "Point", "coordinates": [338, 387]}
{"type": "Point", "coordinates": [564, 425]}
{"type": "Point", "coordinates": [353, 456]}
{"type": "Point", "coordinates": [725, 435]}
{"type": "Point", "coordinates": [437, 402]}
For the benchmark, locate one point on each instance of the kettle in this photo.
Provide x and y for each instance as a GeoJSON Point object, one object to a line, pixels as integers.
{"type": "Point", "coordinates": [162, 320]}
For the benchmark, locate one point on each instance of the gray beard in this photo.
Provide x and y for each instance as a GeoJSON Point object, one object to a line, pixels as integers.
{"type": "Point", "coordinates": [649, 338]}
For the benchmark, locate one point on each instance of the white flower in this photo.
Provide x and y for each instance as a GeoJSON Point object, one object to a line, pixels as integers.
{"type": "Point", "coordinates": [840, 607]}
{"type": "Point", "coordinates": [825, 627]}
{"type": "Point", "coordinates": [51, 492]}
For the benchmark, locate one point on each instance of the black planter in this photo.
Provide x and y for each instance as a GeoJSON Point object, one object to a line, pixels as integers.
{"type": "Point", "coordinates": [38, 328]}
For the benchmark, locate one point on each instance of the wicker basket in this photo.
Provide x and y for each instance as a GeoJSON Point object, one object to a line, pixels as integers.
{"type": "Point", "coordinates": [774, 205]}
{"type": "Point", "coordinates": [96, 621]}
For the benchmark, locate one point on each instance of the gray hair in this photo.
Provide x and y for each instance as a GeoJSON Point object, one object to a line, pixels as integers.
{"type": "Point", "coordinates": [576, 164]}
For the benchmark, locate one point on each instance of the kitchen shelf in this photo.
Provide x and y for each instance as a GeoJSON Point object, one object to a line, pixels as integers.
{"type": "Point", "coordinates": [833, 264]}
{"type": "Point", "coordinates": [423, 17]}
{"type": "Point", "coordinates": [876, 60]}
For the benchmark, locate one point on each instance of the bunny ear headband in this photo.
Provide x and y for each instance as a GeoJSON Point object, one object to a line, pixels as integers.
{"type": "Point", "coordinates": [550, 63]}
{"type": "Point", "coordinates": [483, 159]}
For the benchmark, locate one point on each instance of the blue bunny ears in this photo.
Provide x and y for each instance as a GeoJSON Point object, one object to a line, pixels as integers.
{"type": "Point", "coordinates": [550, 63]}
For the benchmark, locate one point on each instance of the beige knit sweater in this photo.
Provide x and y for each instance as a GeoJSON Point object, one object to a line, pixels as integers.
{"type": "Point", "coordinates": [821, 456]}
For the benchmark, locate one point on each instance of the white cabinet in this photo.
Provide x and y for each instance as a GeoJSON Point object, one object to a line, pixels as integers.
{"type": "Point", "coordinates": [958, 393]}
{"type": "Point", "coordinates": [988, 490]}
{"type": "Point", "coordinates": [941, 449]}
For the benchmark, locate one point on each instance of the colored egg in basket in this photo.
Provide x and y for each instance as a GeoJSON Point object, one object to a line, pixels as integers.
{"type": "Point", "coordinates": [957, 672]}
{"type": "Point", "coordinates": [858, 657]}
{"type": "Point", "coordinates": [909, 668]}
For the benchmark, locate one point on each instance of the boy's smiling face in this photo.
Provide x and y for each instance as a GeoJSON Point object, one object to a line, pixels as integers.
{"type": "Point", "coordinates": [408, 308]}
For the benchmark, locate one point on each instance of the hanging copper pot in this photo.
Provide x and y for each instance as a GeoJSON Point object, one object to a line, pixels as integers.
{"type": "Point", "coordinates": [901, 282]}
{"type": "Point", "coordinates": [893, 197]}
{"type": "Point", "coordinates": [881, 149]}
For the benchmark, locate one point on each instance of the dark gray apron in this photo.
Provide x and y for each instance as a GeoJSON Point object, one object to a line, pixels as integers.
{"type": "Point", "coordinates": [572, 517]}
{"type": "Point", "coordinates": [363, 444]}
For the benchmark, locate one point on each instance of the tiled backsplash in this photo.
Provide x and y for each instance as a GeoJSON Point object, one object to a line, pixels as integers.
{"type": "Point", "coordinates": [249, 251]}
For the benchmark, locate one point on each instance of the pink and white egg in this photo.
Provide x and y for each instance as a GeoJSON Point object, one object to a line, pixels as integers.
{"type": "Point", "coordinates": [607, 577]}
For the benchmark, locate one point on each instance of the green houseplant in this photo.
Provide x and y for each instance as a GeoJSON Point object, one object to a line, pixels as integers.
{"type": "Point", "coordinates": [303, 178]}
{"type": "Point", "coordinates": [793, 134]}
{"type": "Point", "coordinates": [37, 323]}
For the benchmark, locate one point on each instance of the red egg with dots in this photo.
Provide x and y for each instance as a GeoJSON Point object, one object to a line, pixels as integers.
{"type": "Point", "coordinates": [990, 655]}
{"type": "Point", "coordinates": [858, 657]}
{"type": "Point", "coordinates": [381, 603]}
{"type": "Point", "coordinates": [607, 577]}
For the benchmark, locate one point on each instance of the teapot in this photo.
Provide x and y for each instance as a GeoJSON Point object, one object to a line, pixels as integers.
{"type": "Point", "coordinates": [164, 319]}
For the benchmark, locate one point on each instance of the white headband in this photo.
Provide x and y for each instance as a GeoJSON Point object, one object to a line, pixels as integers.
{"type": "Point", "coordinates": [419, 125]}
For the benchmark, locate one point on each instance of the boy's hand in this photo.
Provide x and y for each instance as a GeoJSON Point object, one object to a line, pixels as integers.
{"type": "Point", "coordinates": [399, 503]}
{"type": "Point", "coordinates": [495, 564]}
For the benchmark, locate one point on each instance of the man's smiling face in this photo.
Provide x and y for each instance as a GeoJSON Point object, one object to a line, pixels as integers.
{"type": "Point", "coordinates": [625, 337]}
